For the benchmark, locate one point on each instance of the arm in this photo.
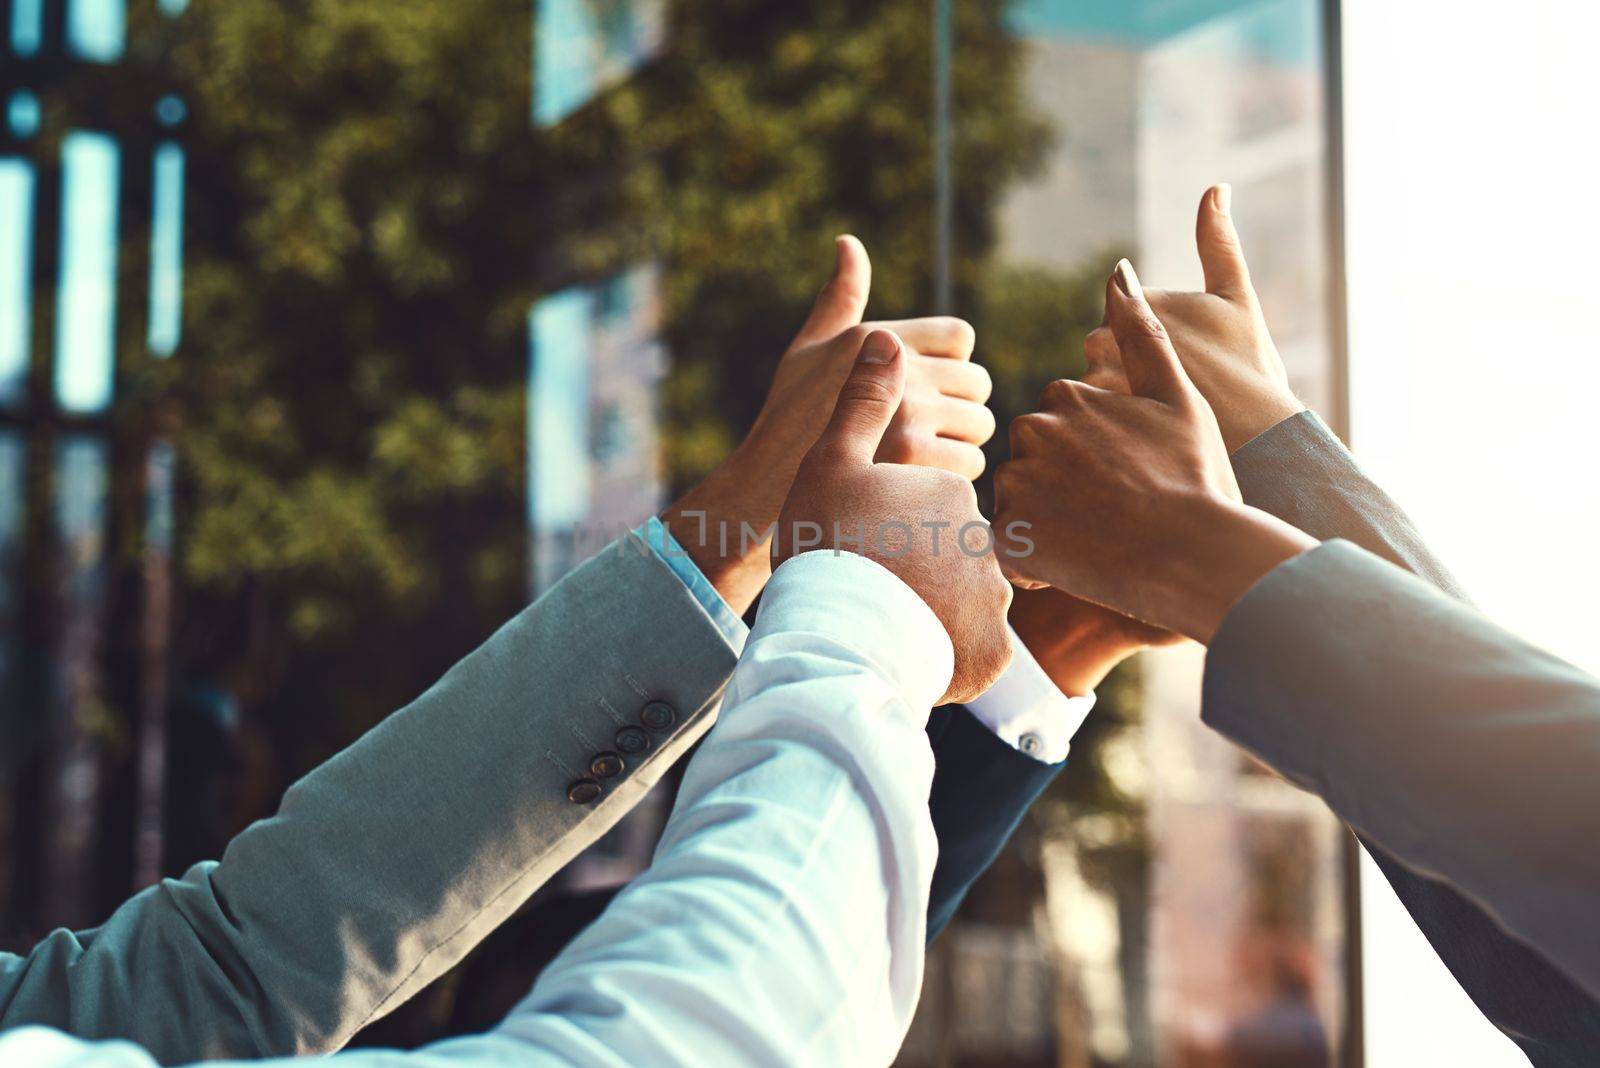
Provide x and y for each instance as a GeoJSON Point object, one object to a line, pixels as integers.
{"type": "Point", "coordinates": [1464, 752]}
{"type": "Point", "coordinates": [1300, 472]}
{"type": "Point", "coordinates": [782, 919]}
{"type": "Point", "coordinates": [385, 865]}
{"type": "Point", "coordinates": [1289, 464]}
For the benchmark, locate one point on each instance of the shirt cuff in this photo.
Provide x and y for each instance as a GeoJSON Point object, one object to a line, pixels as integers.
{"type": "Point", "coordinates": [865, 607]}
{"type": "Point", "coordinates": [667, 549]}
{"type": "Point", "coordinates": [1029, 712]}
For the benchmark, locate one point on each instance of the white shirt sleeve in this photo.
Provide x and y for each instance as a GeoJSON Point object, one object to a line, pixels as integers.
{"type": "Point", "coordinates": [1026, 710]}
{"type": "Point", "coordinates": [783, 918]}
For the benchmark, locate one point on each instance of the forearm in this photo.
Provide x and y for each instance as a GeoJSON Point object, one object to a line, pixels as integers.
{"type": "Point", "coordinates": [725, 522]}
{"type": "Point", "coordinates": [1302, 473]}
{"type": "Point", "coordinates": [387, 864]}
{"type": "Point", "coordinates": [1464, 752]}
{"type": "Point", "coordinates": [799, 839]}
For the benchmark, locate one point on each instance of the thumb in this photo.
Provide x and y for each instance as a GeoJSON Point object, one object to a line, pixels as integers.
{"type": "Point", "coordinates": [1148, 358]}
{"type": "Point", "coordinates": [1221, 255]}
{"type": "Point", "coordinates": [869, 398]}
{"type": "Point", "coordinates": [843, 301]}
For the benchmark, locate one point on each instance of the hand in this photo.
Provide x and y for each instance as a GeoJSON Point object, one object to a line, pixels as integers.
{"type": "Point", "coordinates": [1220, 335]}
{"type": "Point", "coordinates": [1078, 643]}
{"type": "Point", "coordinates": [915, 521]}
{"type": "Point", "coordinates": [1128, 500]}
{"type": "Point", "coordinates": [942, 422]}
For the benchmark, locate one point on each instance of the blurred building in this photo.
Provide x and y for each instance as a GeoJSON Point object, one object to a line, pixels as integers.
{"type": "Point", "coordinates": [1228, 944]}
{"type": "Point", "coordinates": [594, 372]}
{"type": "Point", "coordinates": [91, 239]}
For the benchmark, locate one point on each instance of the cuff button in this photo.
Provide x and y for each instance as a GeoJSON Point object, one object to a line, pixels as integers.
{"type": "Point", "coordinates": [606, 766]}
{"type": "Point", "coordinates": [658, 716]}
{"type": "Point", "coordinates": [632, 740]}
{"type": "Point", "coordinates": [584, 792]}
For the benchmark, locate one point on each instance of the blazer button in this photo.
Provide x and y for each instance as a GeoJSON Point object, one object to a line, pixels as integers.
{"type": "Point", "coordinates": [584, 792]}
{"type": "Point", "coordinates": [658, 716]}
{"type": "Point", "coordinates": [632, 740]}
{"type": "Point", "coordinates": [606, 766]}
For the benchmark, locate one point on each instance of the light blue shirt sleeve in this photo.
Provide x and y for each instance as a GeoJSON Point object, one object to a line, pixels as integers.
{"type": "Point", "coordinates": [783, 918]}
{"type": "Point", "coordinates": [669, 551]}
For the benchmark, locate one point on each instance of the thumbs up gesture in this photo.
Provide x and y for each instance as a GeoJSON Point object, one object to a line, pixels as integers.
{"type": "Point", "coordinates": [919, 522]}
{"type": "Point", "coordinates": [1128, 499]}
{"type": "Point", "coordinates": [1220, 335]}
{"type": "Point", "coordinates": [941, 422]}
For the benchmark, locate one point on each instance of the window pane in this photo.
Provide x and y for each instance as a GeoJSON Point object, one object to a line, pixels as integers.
{"type": "Point", "coordinates": [583, 46]}
{"type": "Point", "coordinates": [16, 277]}
{"type": "Point", "coordinates": [96, 29]}
{"type": "Point", "coordinates": [593, 429]}
{"type": "Point", "coordinates": [166, 252]}
{"type": "Point", "coordinates": [27, 26]}
{"type": "Point", "coordinates": [82, 487]}
{"type": "Point", "coordinates": [86, 304]}
{"type": "Point", "coordinates": [1166, 903]}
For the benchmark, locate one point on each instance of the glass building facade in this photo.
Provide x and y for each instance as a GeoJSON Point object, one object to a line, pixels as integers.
{"type": "Point", "coordinates": [1170, 904]}
{"type": "Point", "coordinates": [80, 472]}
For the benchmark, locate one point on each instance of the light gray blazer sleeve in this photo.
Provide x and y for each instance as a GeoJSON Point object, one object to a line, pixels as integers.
{"type": "Point", "coordinates": [1465, 752]}
{"type": "Point", "coordinates": [385, 865]}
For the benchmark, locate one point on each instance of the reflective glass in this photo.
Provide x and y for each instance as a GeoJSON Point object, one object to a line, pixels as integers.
{"type": "Point", "coordinates": [1166, 903]}
{"type": "Point", "coordinates": [166, 252]}
{"type": "Point", "coordinates": [86, 301]}
{"type": "Point", "coordinates": [16, 277]}
{"type": "Point", "coordinates": [27, 26]}
{"type": "Point", "coordinates": [97, 29]}
{"type": "Point", "coordinates": [582, 46]}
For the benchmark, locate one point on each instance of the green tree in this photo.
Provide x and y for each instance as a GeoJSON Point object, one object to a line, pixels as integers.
{"type": "Point", "coordinates": [372, 214]}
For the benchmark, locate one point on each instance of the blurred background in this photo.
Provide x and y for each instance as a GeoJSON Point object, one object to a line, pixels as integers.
{"type": "Point", "coordinates": [321, 323]}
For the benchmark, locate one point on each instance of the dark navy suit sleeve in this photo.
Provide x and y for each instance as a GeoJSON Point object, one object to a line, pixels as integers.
{"type": "Point", "coordinates": [1300, 472]}
{"type": "Point", "coordinates": [982, 787]}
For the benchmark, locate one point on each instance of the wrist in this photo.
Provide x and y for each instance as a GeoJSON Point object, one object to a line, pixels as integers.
{"type": "Point", "coordinates": [1077, 650]}
{"type": "Point", "coordinates": [1265, 413]}
{"type": "Point", "coordinates": [1083, 669]}
{"type": "Point", "coordinates": [725, 522]}
{"type": "Point", "coordinates": [1233, 547]}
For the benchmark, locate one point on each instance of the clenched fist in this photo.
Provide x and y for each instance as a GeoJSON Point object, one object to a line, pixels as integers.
{"type": "Point", "coordinates": [1124, 494]}
{"type": "Point", "coordinates": [919, 522]}
{"type": "Point", "coordinates": [941, 422]}
{"type": "Point", "coordinates": [1220, 336]}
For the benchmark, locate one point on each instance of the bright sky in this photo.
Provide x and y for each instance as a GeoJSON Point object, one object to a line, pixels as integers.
{"type": "Point", "coordinates": [1473, 228]}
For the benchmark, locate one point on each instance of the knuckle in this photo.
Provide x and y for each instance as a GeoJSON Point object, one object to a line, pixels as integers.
{"type": "Point", "coordinates": [1061, 393]}
{"type": "Point", "coordinates": [968, 381]}
{"type": "Point", "coordinates": [1027, 431]}
{"type": "Point", "coordinates": [962, 334]}
{"type": "Point", "coordinates": [1147, 325]}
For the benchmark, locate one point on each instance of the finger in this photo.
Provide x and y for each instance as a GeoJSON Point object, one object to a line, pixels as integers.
{"type": "Point", "coordinates": [954, 378]}
{"type": "Point", "coordinates": [1148, 359]}
{"type": "Point", "coordinates": [869, 398]}
{"type": "Point", "coordinates": [958, 457]}
{"type": "Point", "coordinates": [843, 301]}
{"type": "Point", "coordinates": [1221, 255]}
{"type": "Point", "coordinates": [1103, 361]}
{"type": "Point", "coordinates": [961, 420]}
{"type": "Point", "coordinates": [937, 335]}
